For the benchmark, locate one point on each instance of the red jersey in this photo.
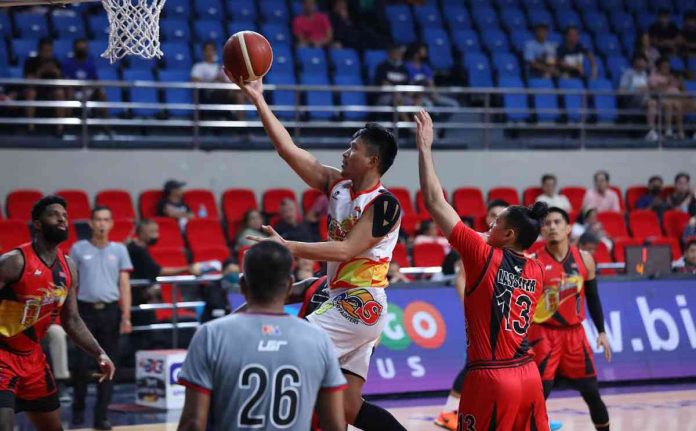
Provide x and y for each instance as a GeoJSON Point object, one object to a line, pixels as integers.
{"type": "Point", "coordinates": [31, 304]}
{"type": "Point", "coordinates": [502, 289]}
{"type": "Point", "coordinates": [563, 298]}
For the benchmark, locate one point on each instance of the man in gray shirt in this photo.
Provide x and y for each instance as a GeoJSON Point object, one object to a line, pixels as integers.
{"type": "Point", "coordinates": [261, 368]}
{"type": "Point", "coordinates": [104, 301]}
{"type": "Point", "coordinates": [540, 54]}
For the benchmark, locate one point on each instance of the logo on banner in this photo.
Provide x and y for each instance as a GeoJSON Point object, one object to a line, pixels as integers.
{"type": "Point", "coordinates": [174, 371]}
{"type": "Point", "coordinates": [418, 323]}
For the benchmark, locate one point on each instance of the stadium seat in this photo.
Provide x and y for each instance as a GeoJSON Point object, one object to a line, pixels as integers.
{"type": "Point", "coordinates": [428, 254]}
{"type": "Point", "coordinates": [78, 204]}
{"type": "Point", "coordinates": [546, 104]}
{"type": "Point", "coordinates": [617, 65]}
{"type": "Point", "coordinates": [644, 224]}
{"type": "Point", "coordinates": [478, 70]}
{"type": "Point", "coordinates": [530, 194]}
{"type": "Point", "coordinates": [533, 4]}
{"type": "Point", "coordinates": [674, 222]}
{"type": "Point", "coordinates": [233, 27]}
{"type": "Point", "coordinates": [586, 4]}
{"type": "Point", "coordinates": [209, 9]}
{"type": "Point", "coordinates": [346, 62]}
{"type": "Point", "coordinates": [177, 95]}
{"type": "Point", "coordinates": [31, 25]}
{"type": "Point", "coordinates": [515, 104]}
{"type": "Point", "coordinates": [596, 21]}
{"type": "Point", "coordinates": [567, 17]}
{"type": "Point", "coordinates": [312, 60]}
{"type": "Point", "coordinates": [202, 201]}
{"type": "Point", "coordinates": [5, 57]}
{"type": "Point", "coordinates": [5, 25]}
{"type": "Point", "coordinates": [401, 23]}
{"type": "Point", "coordinates": [613, 223]}
{"type": "Point", "coordinates": [99, 26]}
{"type": "Point", "coordinates": [203, 233]}
{"type": "Point", "coordinates": [457, 18]}
{"type": "Point", "coordinates": [175, 30]}
{"type": "Point", "coordinates": [411, 222]}
{"type": "Point", "coordinates": [612, 5]}
{"type": "Point", "coordinates": [348, 98]}
{"type": "Point", "coordinates": [575, 195]}
{"type": "Point", "coordinates": [439, 49]}
{"type": "Point", "coordinates": [645, 19]}
{"type": "Point", "coordinates": [309, 197]}
{"type": "Point", "coordinates": [677, 64]}
{"type": "Point", "coordinates": [518, 39]}
{"type": "Point", "coordinates": [539, 16]}
{"type": "Point", "coordinates": [619, 193]}
{"type": "Point", "coordinates": [235, 204]}
{"type": "Point", "coordinates": [122, 230]}
{"type": "Point", "coordinates": [466, 41]}
{"type": "Point", "coordinates": [602, 255]}
{"type": "Point", "coordinates": [495, 40]}
{"type": "Point", "coordinates": [513, 19]}
{"type": "Point", "coordinates": [506, 64]}
{"type": "Point", "coordinates": [428, 16]}
{"type": "Point", "coordinates": [608, 45]}
{"type": "Point", "coordinates": [209, 29]}
{"type": "Point", "coordinates": [557, 5]}
{"type": "Point", "coordinates": [372, 59]}
{"type": "Point", "coordinates": [277, 33]}
{"type": "Point", "coordinates": [671, 242]}
{"type": "Point", "coordinates": [622, 22]}
{"type": "Point", "coordinates": [118, 201]}
{"type": "Point", "coordinates": [141, 94]}
{"type": "Point", "coordinates": [604, 104]}
{"type": "Point", "coordinates": [283, 60]}
{"type": "Point", "coordinates": [178, 9]}
{"type": "Point", "coordinates": [68, 25]}
{"type": "Point", "coordinates": [169, 233]}
{"type": "Point", "coordinates": [147, 203]}
{"type": "Point", "coordinates": [283, 97]}
{"type": "Point", "coordinates": [23, 49]}
{"type": "Point", "coordinates": [316, 98]}
{"type": "Point", "coordinates": [272, 197]}
{"type": "Point", "coordinates": [18, 204]}
{"type": "Point", "coordinates": [400, 255]}
{"type": "Point", "coordinates": [484, 17]}
{"type": "Point", "coordinates": [573, 102]}
{"type": "Point", "coordinates": [274, 10]}
{"type": "Point", "coordinates": [504, 4]}
{"type": "Point", "coordinates": [420, 204]}
{"type": "Point", "coordinates": [203, 254]}
{"type": "Point", "coordinates": [242, 9]}
{"type": "Point", "coordinates": [468, 201]}
{"type": "Point", "coordinates": [633, 193]}
{"type": "Point", "coordinates": [404, 197]}
{"type": "Point", "coordinates": [12, 234]}
{"type": "Point", "coordinates": [507, 194]}
{"type": "Point", "coordinates": [620, 245]}
{"type": "Point", "coordinates": [63, 49]}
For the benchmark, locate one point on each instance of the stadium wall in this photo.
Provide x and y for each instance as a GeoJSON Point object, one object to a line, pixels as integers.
{"type": "Point", "coordinates": [94, 170]}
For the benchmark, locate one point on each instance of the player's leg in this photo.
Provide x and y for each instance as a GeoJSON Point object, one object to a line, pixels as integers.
{"type": "Point", "coordinates": [37, 395]}
{"type": "Point", "coordinates": [7, 416]}
{"type": "Point", "coordinates": [448, 416]}
{"type": "Point", "coordinates": [494, 408]}
{"type": "Point", "coordinates": [365, 415]}
{"type": "Point", "coordinates": [107, 334]}
{"type": "Point", "coordinates": [81, 378]}
{"type": "Point", "coordinates": [589, 390]}
{"type": "Point", "coordinates": [547, 354]}
{"type": "Point", "coordinates": [45, 421]}
{"type": "Point", "coordinates": [532, 403]}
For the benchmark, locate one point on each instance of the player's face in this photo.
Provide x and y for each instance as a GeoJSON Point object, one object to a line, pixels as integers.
{"type": "Point", "coordinates": [555, 229]}
{"type": "Point", "coordinates": [499, 235]}
{"type": "Point", "coordinates": [690, 255]}
{"type": "Point", "coordinates": [356, 160]}
{"type": "Point", "coordinates": [101, 223]}
{"type": "Point", "coordinates": [53, 224]}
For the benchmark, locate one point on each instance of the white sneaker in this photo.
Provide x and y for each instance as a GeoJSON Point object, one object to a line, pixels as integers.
{"type": "Point", "coordinates": [652, 136]}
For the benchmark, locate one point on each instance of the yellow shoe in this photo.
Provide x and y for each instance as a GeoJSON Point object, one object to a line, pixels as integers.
{"type": "Point", "coordinates": [447, 420]}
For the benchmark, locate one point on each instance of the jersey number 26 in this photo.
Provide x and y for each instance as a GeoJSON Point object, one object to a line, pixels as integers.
{"type": "Point", "coordinates": [285, 396]}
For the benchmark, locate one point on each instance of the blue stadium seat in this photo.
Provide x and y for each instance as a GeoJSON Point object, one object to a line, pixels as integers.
{"type": "Point", "coordinates": [617, 65]}
{"type": "Point", "coordinates": [515, 104]}
{"type": "Point", "coordinates": [466, 40]}
{"type": "Point", "coordinates": [113, 94]}
{"type": "Point", "coordinates": [555, 37]}
{"type": "Point", "coordinates": [209, 9]}
{"type": "Point", "coordinates": [604, 104]}
{"type": "Point", "coordinates": [656, 5]}
{"type": "Point", "coordinates": [428, 16]}
{"type": "Point", "coordinates": [69, 25]}
{"type": "Point", "coordinates": [5, 25]}
{"type": "Point", "coordinates": [5, 57]}
{"type": "Point", "coordinates": [612, 5]}
{"type": "Point", "coordinates": [566, 18]}
{"type": "Point", "coordinates": [513, 19]}
{"type": "Point", "coordinates": [546, 102]}
{"type": "Point", "coordinates": [282, 97]}
{"type": "Point", "coordinates": [558, 5]}
{"type": "Point", "coordinates": [347, 98]}
{"type": "Point", "coordinates": [692, 65]}
{"type": "Point", "coordinates": [608, 45]}
{"type": "Point", "coordinates": [63, 49]}
{"type": "Point", "coordinates": [636, 5]}
{"type": "Point", "coordinates": [296, 7]}
{"type": "Point", "coordinates": [175, 30]}
{"type": "Point", "coordinates": [99, 26]}
{"type": "Point", "coordinates": [177, 9]}
{"type": "Point", "coordinates": [177, 95]}
{"type": "Point", "coordinates": [495, 40]}
{"type": "Point", "coordinates": [277, 32]}
{"type": "Point", "coordinates": [23, 48]}
{"type": "Point", "coordinates": [242, 10]}
{"type": "Point", "coordinates": [596, 21]}
{"type": "Point", "coordinates": [628, 40]}
{"type": "Point", "coordinates": [401, 23]}
{"type": "Point", "coordinates": [622, 22]}
{"type": "Point", "coordinates": [457, 18]}
{"type": "Point", "coordinates": [677, 64]}
{"type": "Point", "coordinates": [439, 49]}
{"type": "Point", "coordinates": [601, 70]}
{"type": "Point", "coordinates": [478, 69]}
{"type": "Point", "coordinates": [15, 72]}
{"type": "Point", "coordinates": [586, 41]}
{"type": "Point", "coordinates": [533, 4]}
{"type": "Point", "coordinates": [233, 27]}
{"type": "Point", "coordinates": [346, 62]}
{"type": "Point", "coordinates": [505, 4]}
{"type": "Point", "coordinates": [177, 55]}
{"type": "Point", "coordinates": [645, 20]}
{"type": "Point", "coordinates": [135, 62]}
{"type": "Point", "coordinates": [141, 94]}
{"type": "Point", "coordinates": [572, 102]}
{"type": "Point", "coordinates": [209, 30]}
{"type": "Point", "coordinates": [108, 74]}
{"type": "Point", "coordinates": [372, 59]}
{"type": "Point", "coordinates": [586, 4]}
{"type": "Point", "coordinates": [484, 17]}
{"type": "Point", "coordinates": [312, 60]}
{"type": "Point", "coordinates": [477, 3]}
{"type": "Point", "coordinates": [519, 38]}
{"type": "Point", "coordinates": [96, 48]}
{"type": "Point", "coordinates": [317, 98]}
{"type": "Point", "coordinates": [283, 60]}
{"type": "Point", "coordinates": [690, 86]}
{"type": "Point", "coordinates": [539, 16]}
{"type": "Point", "coordinates": [506, 65]}
{"type": "Point", "coordinates": [274, 10]}
{"type": "Point", "coordinates": [31, 25]}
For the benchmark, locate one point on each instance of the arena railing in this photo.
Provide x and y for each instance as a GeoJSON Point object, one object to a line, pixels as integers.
{"type": "Point", "coordinates": [482, 111]}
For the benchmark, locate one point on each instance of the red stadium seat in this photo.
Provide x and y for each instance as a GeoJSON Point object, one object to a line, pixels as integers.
{"type": "Point", "coordinates": [410, 223]}
{"type": "Point", "coordinates": [240, 256]}
{"type": "Point", "coordinates": [620, 247]}
{"type": "Point", "coordinates": [204, 233]}
{"type": "Point", "coordinates": [673, 243]}
{"type": "Point", "coordinates": [404, 197]}
{"type": "Point", "coordinates": [309, 196]}
{"type": "Point", "coordinates": [613, 223]}
{"type": "Point", "coordinates": [122, 231]}
{"type": "Point", "coordinates": [78, 204]}
{"type": "Point", "coordinates": [119, 202]}
{"type": "Point", "coordinates": [400, 255]}
{"type": "Point", "coordinates": [165, 315]}
{"type": "Point", "coordinates": [530, 194]}
{"type": "Point", "coordinates": [602, 255]}
{"type": "Point", "coordinates": [575, 196]}
{"type": "Point", "coordinates": [324, 228]}
{"type": "Point", "coordinates": [644, 224]}
{"type": "Point", "coordinates": [634, 193]}
{"type": "Point", "coordinates": [235, 203]}
{"type": "Point", "coordinates": [168, 256]}
{"type": "Point", "coordinates": [72, 239]}
{"type": "Point", "coordinates": [200, 199]}
{"type": "Point", "coordinates": [428, 254]}
{"type": "Point", "coordinates": [622, 204]}
{"type": "Point", "coordinates": [420, 204]}
{"type": "Point", "coordinates": [147, 203]}
{"type": "Point", "coordinates": [674, 222]}
{"type": "Point", "coordinates": [468, 201]}
{"type": "Point", "coordinates": [169, 234]}
{"type": "Point", "coordinates": [508, 194]}
{"type": "Point", "coordinates": [19, 204]}
{"type": "Point", "coordinates": [272, 197]}
{"type": "Point", "coordinates": [573, 215]}
{"type": "Point", "coordinates": [12, 234]}
{"type": "Point", "coordinates": [211, 253]}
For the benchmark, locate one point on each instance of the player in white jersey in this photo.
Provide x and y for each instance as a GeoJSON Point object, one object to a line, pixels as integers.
{"type": "Point", "coordinates": [364, 220]}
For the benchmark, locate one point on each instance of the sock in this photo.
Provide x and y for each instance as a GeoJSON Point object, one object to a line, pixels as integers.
{"type": "Point", "coordinates": [452, 404]}
{"type": "Point", "coordinates": [374, 418]}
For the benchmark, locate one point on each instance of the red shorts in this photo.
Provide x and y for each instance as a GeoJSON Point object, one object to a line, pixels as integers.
{"type": "Point", "coordinates": [503, 399]}
{"type": "Point", "coordinates": [27, 383]}
{"type": "Point", "coordinates": [562, 351]}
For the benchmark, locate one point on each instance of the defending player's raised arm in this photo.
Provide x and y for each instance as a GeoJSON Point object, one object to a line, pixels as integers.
{"type": "Point", "coordinates": [11, 264]}
{"type": "Point", "coordinates": [442, 212]}
{"type": "Point", "coordinates": [311, 171]}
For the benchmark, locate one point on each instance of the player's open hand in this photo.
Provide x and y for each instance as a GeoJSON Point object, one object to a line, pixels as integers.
{"type": "Point", "coordinates": [424, 131]}
{"type": "Point", "coordinates": [106, 367]}
{"type": "Point", "coordinates": [603, 341]}
{"type": "Point", "coordinates": [253, 90]}
{"type": "Point", "coordinates": [272, 236]}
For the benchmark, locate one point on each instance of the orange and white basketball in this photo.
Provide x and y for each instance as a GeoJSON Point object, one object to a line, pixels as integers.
{"type": "Point", "coordinates": [247, 55]}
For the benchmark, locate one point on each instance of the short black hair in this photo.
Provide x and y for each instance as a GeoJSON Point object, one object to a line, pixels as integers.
{"type": "Point", "coordinates": [44, 41]}
{"type": "Point", "coordinates": [142, 224]}
{"type": "Point", "coordinates": [560, 211]}
{"type": "Point", "coordinates": [380, 141]}
{"type": "Point", "coordinates": [267, 268]}
{"type": "Point", "coordinates": [497, 203]}
{"type": "Point", "coordinates": [602, 172]}
{"type": "Point", "coordinates": [654, 178]}
{"type": "Point", "coordinates": [682, 175]}
{"type": "Point", "coordinates": [40, 206]}
{"type": "Point", "coordinates": [689, 242]}
{"type": "Point", "coordinates": [588, 238]}
{"type": "Point", "coordinates": [208, 43]}
{"type": "Point", "coordinates": [660, 61]}
{"type": "Point", "coordinates": [547, 177]}
{"type": "Point", "coordinates": [98, 208]}
{"type": "Point", "coordinates": [638, 56]}
{"type": "Point", "coordinates": [526, 221]}
{"type": "Point", "coordinates": [569, 29]}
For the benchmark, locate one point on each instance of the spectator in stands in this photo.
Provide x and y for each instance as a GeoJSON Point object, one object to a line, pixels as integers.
{"type": "Point", "coordinates": [172, 203]}
{"type": "Point", "coordinates": [635, 80]}
{"type": "Point", "coordinates": [290, 227]}
{"type": "Point", "coordinates": [588, 242]}
{"type": "Point", "coordinates": [588, 222]}
{"type": "Point", "coordinates": [689, 230]}
{"type": "Point", "coordinates": [689, 258]}
{"type": "Point", "coordinates": [44, 66]}
{"type": "Point", "coordinates": [540, 54]}
{"type": "Point", "coordinates": [251, 226]}
{"type": "Point", "coordinates": [572, 55]}
{"type": "Point", "coordinates": [665, 33]}
{"type": "Point", "coordinates": [683, 198]}
{"type": "Point", "coordinates": [688, 34]}
{"type": "Point", "coordinates": [312, 27]}
{"type": "Point", "coordinates": [653, 199]}
{"type": "Point", "coordinates": [81, 66]}
{"type": "Point", "coordinates": [209, 71]}
{"type": "Point", "coordinates": [495, 207]}
{"type": "Point", "coordinates": [601, 197]}
{"type": "Point", "coordinates": [645, 47]}
{"type": "Point", "coordinates": [349, 33]}
{"type": "Point", "coordinates": [550, 196]}
{"type": "Point", "coordinates": [394, 274]}
{"type": "Point", "coordinates": [668, 86]}
{"type": "Point", "coordinates": [428, 233]}
{"type": "Point", "coordinates": [393, 71]}
{"type": "Point", "coordinates": [420, 73]}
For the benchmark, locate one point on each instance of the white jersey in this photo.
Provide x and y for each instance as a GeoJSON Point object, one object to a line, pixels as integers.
{"type": "Point", "coordinates": [368, 269]}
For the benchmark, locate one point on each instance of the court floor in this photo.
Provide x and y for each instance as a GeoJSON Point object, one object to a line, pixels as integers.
{"type": "Point", "coordinates": [646, 408]}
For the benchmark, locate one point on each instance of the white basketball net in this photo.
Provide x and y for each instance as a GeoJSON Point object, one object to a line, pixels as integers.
{"type": "Point", "coordinates": [134, 28]}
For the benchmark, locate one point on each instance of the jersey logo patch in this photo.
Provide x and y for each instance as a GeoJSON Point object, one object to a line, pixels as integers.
{"type": "Point", "coordinates": [359, 306]}
{"type": "Point", "coordinates": [271, 345]}
{"type": "Point", "coordinates": [37, 273]}
{"type": "Point", "coordinates": [270, 330]}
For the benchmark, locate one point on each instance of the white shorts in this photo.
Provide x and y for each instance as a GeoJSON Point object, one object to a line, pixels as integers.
{"type": "Point", "coordinates": [354, 320]}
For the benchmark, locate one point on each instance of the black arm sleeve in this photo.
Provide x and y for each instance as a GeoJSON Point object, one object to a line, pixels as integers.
{"type": "Point", "coordinates": [594, 304]}
{"type": "Point", "coordinates": [387, 213]}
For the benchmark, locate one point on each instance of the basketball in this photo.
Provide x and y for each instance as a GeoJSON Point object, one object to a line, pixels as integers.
{"type": "Point", "coordinates": [247, 55]}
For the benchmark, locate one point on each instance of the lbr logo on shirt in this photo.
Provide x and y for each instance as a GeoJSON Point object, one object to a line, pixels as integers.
{"type": "Point", "coordinates": [271, 345]}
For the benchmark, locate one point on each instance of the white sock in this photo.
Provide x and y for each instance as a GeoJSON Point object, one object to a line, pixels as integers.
{"type": "Point", "coordinates": [452, 404]}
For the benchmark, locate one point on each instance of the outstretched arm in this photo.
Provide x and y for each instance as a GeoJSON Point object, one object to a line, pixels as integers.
{"type": "Point", "coordinates": [442, 212]}
{"type": "Point", "coordinates": [311, 171]}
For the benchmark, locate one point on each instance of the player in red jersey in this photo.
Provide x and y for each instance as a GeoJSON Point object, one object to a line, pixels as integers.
{"type": "Point", "coordinates": [502, 387]}
{"type": "Point", "coordinates": [38, 283]}
{"type": "Point", "coordinates": [557, 335]}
